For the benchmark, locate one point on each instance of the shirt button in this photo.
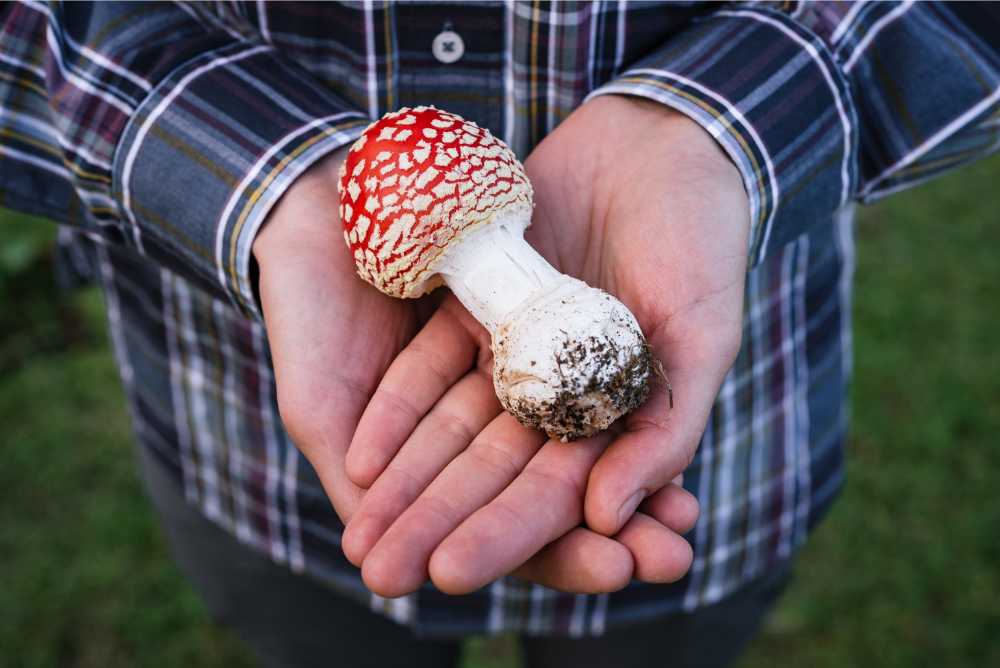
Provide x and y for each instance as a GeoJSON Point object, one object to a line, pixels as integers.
{"type": "Point", "coordinates": [448, 46]}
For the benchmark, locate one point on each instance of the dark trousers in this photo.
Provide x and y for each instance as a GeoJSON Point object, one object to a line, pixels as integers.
{"type": "Point", "coordinates": [292, 621]}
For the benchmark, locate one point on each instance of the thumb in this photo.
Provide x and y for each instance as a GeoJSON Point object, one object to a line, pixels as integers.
{"type": "Point", "coordinates": [660, 438]}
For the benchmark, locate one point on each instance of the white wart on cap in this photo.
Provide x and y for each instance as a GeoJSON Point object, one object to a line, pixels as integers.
{"type": "Point", "coordinates": [427, 197]}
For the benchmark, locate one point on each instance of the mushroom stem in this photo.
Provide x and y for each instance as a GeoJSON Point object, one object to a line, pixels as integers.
{"type": "Point", "coordinates": [493, 270]}
{"type": "Point", "coordinates": [568, 358]}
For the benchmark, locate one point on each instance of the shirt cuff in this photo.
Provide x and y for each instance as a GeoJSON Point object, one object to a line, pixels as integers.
{"type": "Point", "coordinates": [211, 149]}
{"type": "Point", "coordinates": [771, 94]}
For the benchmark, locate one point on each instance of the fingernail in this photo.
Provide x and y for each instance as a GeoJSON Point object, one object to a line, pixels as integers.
{"type": "Point", "coordinates": [628, 508]}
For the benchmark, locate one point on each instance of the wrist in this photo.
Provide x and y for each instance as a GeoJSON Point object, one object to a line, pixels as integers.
{"type": "Point", "coordinates": [689, 142]}
{"type": "Point", "coordinates": [306, 217]}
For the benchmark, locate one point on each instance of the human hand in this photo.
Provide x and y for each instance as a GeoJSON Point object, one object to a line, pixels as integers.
{"type": "Point", "coordinates": [331, 335]}
{"type": "Point", "coordinates": [638, 200]}
{"type": "Point", "coordinates": [665, 229]}
{"type": "Point", "coordinates": [453, 477]}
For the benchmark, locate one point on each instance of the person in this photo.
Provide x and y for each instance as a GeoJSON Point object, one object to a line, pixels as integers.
{"type": "Point", "coordinates": [701, 162]}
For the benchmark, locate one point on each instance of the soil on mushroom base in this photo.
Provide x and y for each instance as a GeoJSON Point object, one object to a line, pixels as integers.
{"type": "Point", "coordinates": [564, 417]}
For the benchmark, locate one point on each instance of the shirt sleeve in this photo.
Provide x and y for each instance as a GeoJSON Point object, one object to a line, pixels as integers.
{"type": "Point", "coordinates": [160, 126]}
{"type": "Point", "coordinates": [821, 103]}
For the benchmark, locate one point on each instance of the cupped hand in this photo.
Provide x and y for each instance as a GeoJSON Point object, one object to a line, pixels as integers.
{"type": "Point", "coordinates": [632, 198]}
{"type": "Point", "coordinates": [331, 335]}
{"type": "Point", "coordinates": [462, 455]}
{"type": "Point", "coordinates": [664, 226]}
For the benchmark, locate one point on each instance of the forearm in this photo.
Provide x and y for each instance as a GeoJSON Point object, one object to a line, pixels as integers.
{"type": "Point", "coordinates": [149, 126]}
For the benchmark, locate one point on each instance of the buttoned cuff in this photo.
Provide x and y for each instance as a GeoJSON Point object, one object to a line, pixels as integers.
{"type": "Point", "coordinates": [212, 148]}
{"type": "Point", "coordinates": [772, 96]}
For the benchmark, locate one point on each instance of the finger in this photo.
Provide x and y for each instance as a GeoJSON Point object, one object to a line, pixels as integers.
{"type": "Point", "coordinates": [658, 444]}
{"type": "Point", "coordinates": [586, 562]}
{"type": "Point", "coordinates": [581, 562]}
{"type": "Point", "coordinates": [464, 411]}
{"type": "Point", "coordinates": [541, 504]}
{"type": "Point", "coordinates": [659, 554]}
{"type": "Point", "coordinates": [398, 563]}
{"type": "Point", "coordinates": [674, 507]}
{"type": "Point", "coordinates": [439, 355]}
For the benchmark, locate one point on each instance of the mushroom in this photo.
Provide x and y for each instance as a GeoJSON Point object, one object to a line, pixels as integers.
{"type": "Point", "coordinates": [427, 198]}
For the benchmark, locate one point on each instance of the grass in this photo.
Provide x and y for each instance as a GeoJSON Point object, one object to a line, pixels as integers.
{"type": "Point", "coordinates": [904, 572]}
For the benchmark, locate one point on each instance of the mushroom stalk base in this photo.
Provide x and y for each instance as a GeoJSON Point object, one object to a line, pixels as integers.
{"type": "Point", "coordinates": [569, 359]}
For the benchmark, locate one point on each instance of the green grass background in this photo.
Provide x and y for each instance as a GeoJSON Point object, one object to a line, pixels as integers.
{"type": "Point", "coordinates": [904, 572]}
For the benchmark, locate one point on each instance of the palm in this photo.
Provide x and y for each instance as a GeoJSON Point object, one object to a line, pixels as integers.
{"type": "Point", "coordinates": [635, 255]}
{"type": "Point", "coordinates": [662, 225]}
{"type": "Point", "coordinates": [674, 255]}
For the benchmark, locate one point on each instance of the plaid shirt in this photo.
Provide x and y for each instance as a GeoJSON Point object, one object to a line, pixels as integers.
{"type": "Point", "coordinates": [165, 133]}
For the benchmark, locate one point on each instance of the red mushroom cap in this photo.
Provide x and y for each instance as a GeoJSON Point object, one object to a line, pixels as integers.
{"type": "Point", "coordinates": [414, 182]}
